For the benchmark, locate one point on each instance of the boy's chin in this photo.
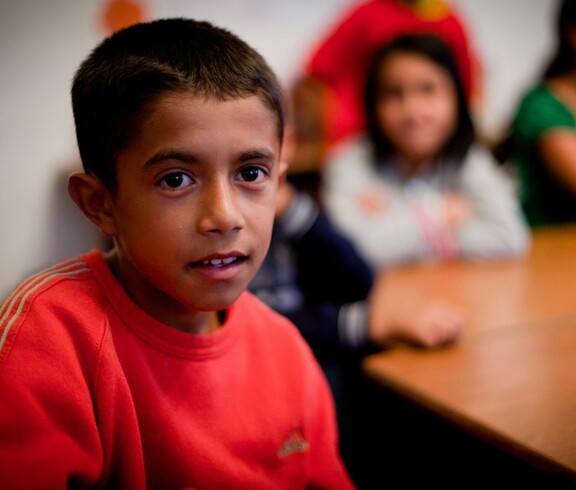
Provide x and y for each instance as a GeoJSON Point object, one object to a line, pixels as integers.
{"type": "Point", "coordinates": [222, 302]}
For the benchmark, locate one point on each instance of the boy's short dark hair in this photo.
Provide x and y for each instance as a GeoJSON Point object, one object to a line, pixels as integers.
{"type": "Point", "coordinates": [134, 67]}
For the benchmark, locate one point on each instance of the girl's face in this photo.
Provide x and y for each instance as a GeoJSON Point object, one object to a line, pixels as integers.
{"type": "Point", "coordinates": [416, 106]}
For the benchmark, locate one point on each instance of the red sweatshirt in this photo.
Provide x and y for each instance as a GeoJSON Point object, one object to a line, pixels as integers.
{"type": "Point", "coordinates": [341, 59]}
{"type": "Point", "coordinates": [95, 393]}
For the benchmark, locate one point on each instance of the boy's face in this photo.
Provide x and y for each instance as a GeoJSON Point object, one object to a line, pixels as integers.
{"type": "Point", "coordinates": [194, 205]}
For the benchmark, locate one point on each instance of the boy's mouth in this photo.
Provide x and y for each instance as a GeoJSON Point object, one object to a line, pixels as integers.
{"type": "Point", "coordinates": [220, 261]}
{"type": "Point", "coordinates": [219, 268]}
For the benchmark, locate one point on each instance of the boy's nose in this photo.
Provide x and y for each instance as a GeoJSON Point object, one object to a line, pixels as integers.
{"type": "Point", "coordinates": [220, 212]}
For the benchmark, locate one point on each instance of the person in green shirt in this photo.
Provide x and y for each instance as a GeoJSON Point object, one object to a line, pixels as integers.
{"type": "Point", "coordinates": [544, 134]}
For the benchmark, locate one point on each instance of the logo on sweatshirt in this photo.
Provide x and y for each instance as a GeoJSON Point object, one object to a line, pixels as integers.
{"type": "Point", "coordinates": [294, 443]}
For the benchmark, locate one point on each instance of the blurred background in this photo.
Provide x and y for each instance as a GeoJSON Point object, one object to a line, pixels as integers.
{"type": "Point", "coordinates": [43, 41]}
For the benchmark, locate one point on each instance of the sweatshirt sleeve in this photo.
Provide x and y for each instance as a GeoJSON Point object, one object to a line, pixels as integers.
{"type": "Point", "coordinates": [48, 432]}
{"type": "Point", "coordinates": [55, 429]}
{"type": "Point", "coordinates": [331, 275]}
{"type": "Point", "coordinates": [497, 227]}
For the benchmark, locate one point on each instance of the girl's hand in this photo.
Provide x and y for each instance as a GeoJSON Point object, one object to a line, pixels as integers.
{"type": "Point", "coordinates": [456, 210]}
{"type": "Point", "coordinates": [421, 320]}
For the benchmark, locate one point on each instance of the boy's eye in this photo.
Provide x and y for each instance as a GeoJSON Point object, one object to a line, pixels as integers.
{"type": "Point", "coordinates": [175, 180]}
{"type": "Point", "coordinates": [252, 174]}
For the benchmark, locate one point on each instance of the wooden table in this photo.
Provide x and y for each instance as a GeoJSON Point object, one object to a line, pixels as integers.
{"type": "Point", "coordinates": [511, 379]}
{"type": "Point", "coordinates": [498, 293]}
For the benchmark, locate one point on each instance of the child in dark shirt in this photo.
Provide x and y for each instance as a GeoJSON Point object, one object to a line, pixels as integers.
{"type": "Point", "coordinates": [313, 275]}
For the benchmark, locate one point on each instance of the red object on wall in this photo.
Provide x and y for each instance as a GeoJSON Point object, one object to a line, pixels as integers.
{"type": "Point", "coordinates": [118, 14]}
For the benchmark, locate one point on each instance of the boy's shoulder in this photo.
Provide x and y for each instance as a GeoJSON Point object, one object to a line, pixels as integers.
{"type": "Point", "coordinates": [65, 293]}
{"type": "Point", "coordinates": [48, 284]}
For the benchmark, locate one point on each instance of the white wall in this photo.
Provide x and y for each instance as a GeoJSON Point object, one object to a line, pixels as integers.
{"type": "Point", "coordinates": [514, 38]}
{"type": "Point", "coordinates": [43, 41]}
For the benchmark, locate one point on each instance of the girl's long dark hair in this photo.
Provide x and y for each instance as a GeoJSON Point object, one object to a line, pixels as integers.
{"type": "Point", "coordinates": [562, 62]}
{"type": "Point", "coordinates": [434, 49]}
{"type": "Point", "coordinates": [564, 58]}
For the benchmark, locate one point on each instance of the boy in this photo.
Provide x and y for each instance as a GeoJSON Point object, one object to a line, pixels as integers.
{"type": "Point", "coordinates": [150, 367]}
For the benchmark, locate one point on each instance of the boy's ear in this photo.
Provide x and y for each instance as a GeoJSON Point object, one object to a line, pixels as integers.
{"type": "Point", "coordinates": [94, 200]}
{"type": "Point", "coordinates": [288, 148]}
{"type": "Point", "coordinates": [282, 171]}
{"type": "Point", "coordinates": [571, 36]}
{"type": "Point", "coordinates": [286, 151]}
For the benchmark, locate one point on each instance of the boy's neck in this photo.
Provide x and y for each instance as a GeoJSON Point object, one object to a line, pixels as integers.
{"type": "Point", "coordinates": [217, 319]}
{"type": "Point", "coordinates": [200, 323]}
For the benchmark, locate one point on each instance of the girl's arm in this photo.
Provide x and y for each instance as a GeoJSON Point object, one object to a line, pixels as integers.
{"type": "Point", "coordinates": [385, 224]}
{"type": "Point", "coordinates": [496, 227]}
{"type": "Point", "coordinates": [558, 150]}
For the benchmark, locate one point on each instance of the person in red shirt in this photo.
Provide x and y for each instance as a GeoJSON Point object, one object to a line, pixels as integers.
{"type": "Point", "coordinates": [328, 94]}
{"type": "Point", "coordinates": [150, 366]}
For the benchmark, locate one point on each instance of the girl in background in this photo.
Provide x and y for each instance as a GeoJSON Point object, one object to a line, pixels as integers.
{"type": "Point", "coordinates": [418, 186]}
{"type": "Point", "coordinates": [327, 95]}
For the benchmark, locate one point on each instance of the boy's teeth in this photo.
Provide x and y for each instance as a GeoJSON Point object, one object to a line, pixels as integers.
{"type": "Point", "coordinates": [218, 262]}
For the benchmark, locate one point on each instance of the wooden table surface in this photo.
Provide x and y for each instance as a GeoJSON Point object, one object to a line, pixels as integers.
{"type": "Point", "coordinates": [499, 293]}
{"type": "Point", "coordinates": [511, 379]}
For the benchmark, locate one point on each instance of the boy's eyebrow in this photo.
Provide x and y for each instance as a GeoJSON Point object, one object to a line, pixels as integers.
{"type": "Point", "coordinates": [258, 153]}
{"type": "Point", "coordinates": [188, 157]}
{"type": "Point", "coordinates": [162, 156]}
